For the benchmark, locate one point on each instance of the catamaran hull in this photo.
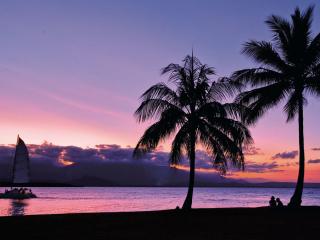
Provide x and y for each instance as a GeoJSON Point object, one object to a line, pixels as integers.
{"type": "Point", "coordinates": [17, 196]}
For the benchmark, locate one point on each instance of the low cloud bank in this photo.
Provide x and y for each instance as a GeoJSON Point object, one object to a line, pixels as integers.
{"type": "Point", "coordinates": [314, 161]}
{"type": "Point", "coordinates": [113, 165]}
{"type": "Point", "coordinates": [286, 155]}
{"type": "Point", "coordinates": [262, 167]}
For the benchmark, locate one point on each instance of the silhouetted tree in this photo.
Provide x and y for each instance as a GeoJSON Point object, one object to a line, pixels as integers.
{"type": "Point", "coordinates": [289, 70]}
{"type": "Point", "coordinates": [192, 112]}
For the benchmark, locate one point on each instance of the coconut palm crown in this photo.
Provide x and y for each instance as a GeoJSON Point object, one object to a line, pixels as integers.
{"type": "Point", "coordinates": [189, 108]}
{"type": "Point", "coordinates": [288, 69]}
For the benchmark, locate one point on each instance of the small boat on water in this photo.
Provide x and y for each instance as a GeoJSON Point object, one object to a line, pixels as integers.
{"type": "Point", "coordinates": [20, 174]}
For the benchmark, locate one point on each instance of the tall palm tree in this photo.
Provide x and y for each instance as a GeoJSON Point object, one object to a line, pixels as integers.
{"type": "Point", "coordinates": [193, 112]}
{"type": "Point", "coordinates": [289, 69]}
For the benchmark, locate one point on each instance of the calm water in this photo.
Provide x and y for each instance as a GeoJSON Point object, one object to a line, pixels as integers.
{"type": "Point", "coordinates": [77, 200]}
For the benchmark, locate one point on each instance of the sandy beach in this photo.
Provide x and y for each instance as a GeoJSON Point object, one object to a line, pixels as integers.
{"type": "Point", "coordinates": [228, 223]}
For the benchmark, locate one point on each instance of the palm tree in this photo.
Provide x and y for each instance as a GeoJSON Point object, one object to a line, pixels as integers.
{"type": "Point", "coordinates": [193, 114]}
{"type": "Point", "coordinates": [288, 70]}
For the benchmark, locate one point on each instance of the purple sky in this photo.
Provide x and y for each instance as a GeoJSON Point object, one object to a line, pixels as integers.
{"type": "Point", "coordinates": [72, 71]}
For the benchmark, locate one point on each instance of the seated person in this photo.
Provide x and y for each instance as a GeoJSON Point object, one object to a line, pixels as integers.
{"type": "Point", "coordinates": [279, 203]}
{"type": "Point", "coordinates": [272, 202]}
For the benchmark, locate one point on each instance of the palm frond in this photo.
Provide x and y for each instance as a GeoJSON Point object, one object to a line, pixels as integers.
{"type": "Point", "coordinates": [154, 108]}
{"type": "Point", "coordinates": [281, 29]}
{"type": "Point", "coordinates": [263, 53]}
{"type": "Point", "coordinates": [259, 100]}
{"type": "Point", "coordinates": [236, 110]}
{"type": "Point", "coordinates": [301, 31]}
{"type": "Point", "coordinates": [223, 89]}
{"type": "Point", "coordinates": [160, 91]}
{"type": "Point", "coordinates": [235, 130]}
{"type": "Point", "coordinates": [177, 74]}
{"type": "Point", "coordinates": [203, 71]}
{"type": "Point", "coordinates": [179, 144]}
{"type": "Point", "coordinates": [169, 122]}
{"type": "Point", "coordinates": [292, 105]}
{"type": "Point", "coordinates": [229, 147]}
{"type": "Point", "coordinates": [219, 162]}
{"type": "Point", "coordinates": [312, 56]}
{"type": "Point", "coordinates": [313, 82]}
{"type": "Point", "coordinates": [257, 76]}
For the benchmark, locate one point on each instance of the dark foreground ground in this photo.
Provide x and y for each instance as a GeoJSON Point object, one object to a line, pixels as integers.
{"type": "Point", "coordinates": [232, 223]}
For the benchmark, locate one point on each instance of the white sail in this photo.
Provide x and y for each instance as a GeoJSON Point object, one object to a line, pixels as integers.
{"type": "Point", "coordinates": [21, 163]}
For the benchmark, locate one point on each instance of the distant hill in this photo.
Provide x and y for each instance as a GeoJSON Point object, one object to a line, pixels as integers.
{"type": "Point", "coordinates": [281, 185]}
{"type": "Point", "coordinates": [36, 184]}
{"type": "Point", "coordinates": [88, 181]}
{"type": "Point", "coordinates": [133, 174]}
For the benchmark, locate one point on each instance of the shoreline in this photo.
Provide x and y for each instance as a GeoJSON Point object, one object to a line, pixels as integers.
{"type": "Point", "coordinates": [216, 223]}
{"type": "Point", "coordinates": [317, 185]}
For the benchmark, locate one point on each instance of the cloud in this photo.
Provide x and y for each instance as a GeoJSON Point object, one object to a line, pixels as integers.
{"type": "Point", "coordinates": [252, 150]}
{"type": "Point", "coordinates": [262, 167]}
{"type": "Point", "coordinates": [285, 155]}
{"type": "Point", "coordinates": [314, 161]}
{"type": "Point", "coordinates": [106, 164]}
{"type": "Point", "coordinates": [289, 164]}
{"type": "Point", "coordinates": [315, 149]}
{"type": "Point", "coordinates": [111, 164]}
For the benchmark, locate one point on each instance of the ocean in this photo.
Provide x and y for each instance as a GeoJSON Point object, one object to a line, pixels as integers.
{"type": "Point", "coordinates": [122, 199]}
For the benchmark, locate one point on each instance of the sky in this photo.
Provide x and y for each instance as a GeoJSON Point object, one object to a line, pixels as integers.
{"type": "Point", "coordinates": [72, 71]}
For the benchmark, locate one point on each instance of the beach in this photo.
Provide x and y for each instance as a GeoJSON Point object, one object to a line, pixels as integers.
{"type": "Point", "coordinates": [223, 223]}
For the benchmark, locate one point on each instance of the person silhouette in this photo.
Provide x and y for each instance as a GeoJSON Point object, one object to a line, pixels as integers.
{"type": "Point", "coordinates": [272, 202]}
{"type": "Point", "coordinates": [279, 203]}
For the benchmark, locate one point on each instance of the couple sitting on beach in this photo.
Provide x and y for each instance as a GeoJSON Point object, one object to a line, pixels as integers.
{"type": "Point", "coordinates": [273, 203]}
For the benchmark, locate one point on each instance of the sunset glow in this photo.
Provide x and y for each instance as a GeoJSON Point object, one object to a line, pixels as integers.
{"type": "Point", "coordinates": [63, 161]}
{"type": "Point", "coordinates": [81, 87]}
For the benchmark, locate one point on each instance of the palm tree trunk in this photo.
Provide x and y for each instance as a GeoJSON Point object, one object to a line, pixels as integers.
{"type": "Point", "coordinates": [295, 200]}
{"type": "Point", "coordinates": [188, 201]}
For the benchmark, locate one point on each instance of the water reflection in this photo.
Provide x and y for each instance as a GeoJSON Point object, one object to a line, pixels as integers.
{"type": "Point", "coordinates": [113, 199]}
{"type": "Point", "coordinates": [17, 207]}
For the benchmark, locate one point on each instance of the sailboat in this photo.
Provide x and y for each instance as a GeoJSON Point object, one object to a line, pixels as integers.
{"type": "Point", "coordinates": [20, 174]}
